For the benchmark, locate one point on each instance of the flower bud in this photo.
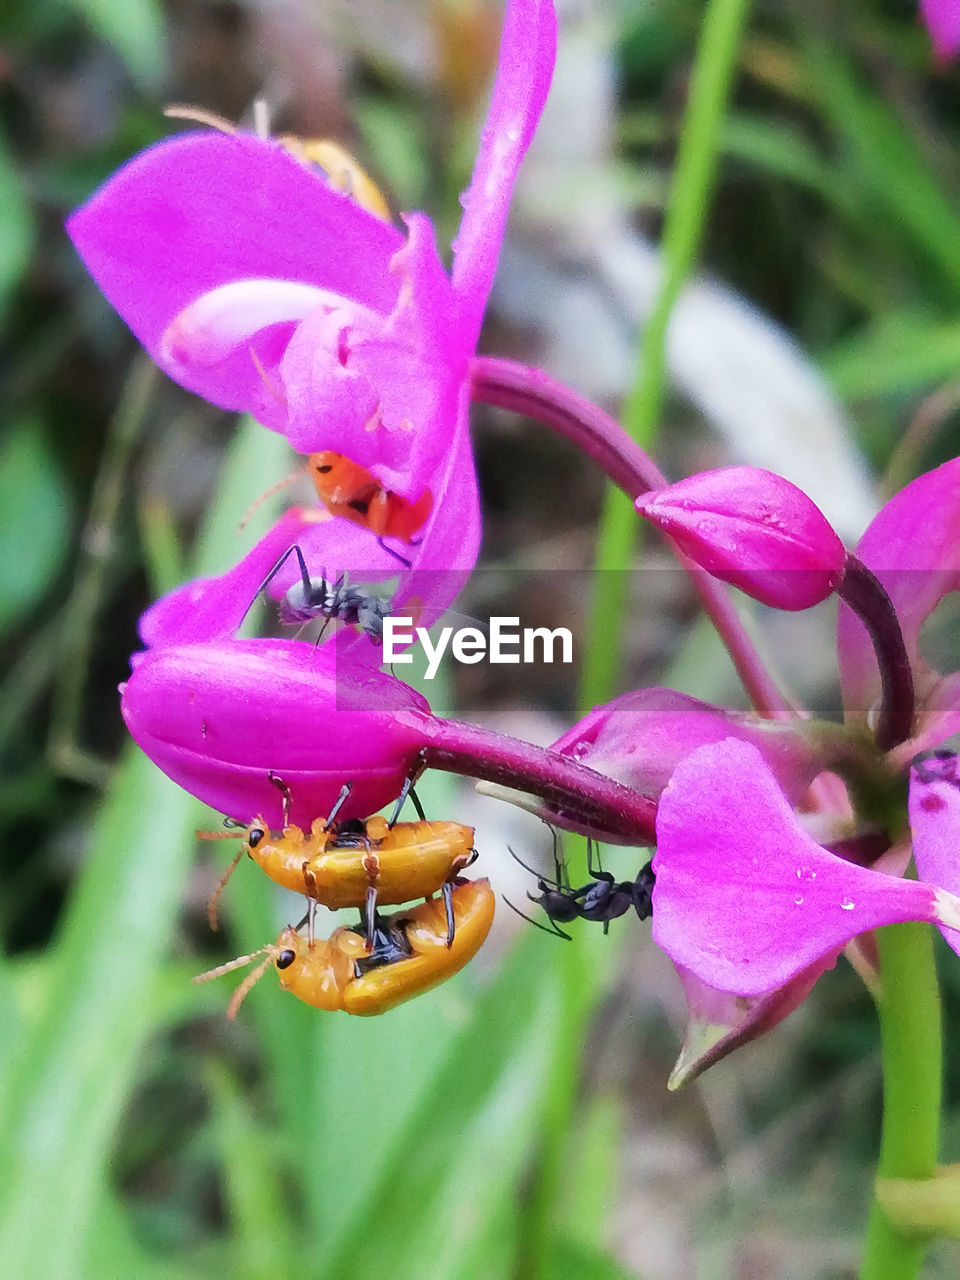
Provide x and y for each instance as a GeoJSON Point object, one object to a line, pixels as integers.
{"type": "Point", "coordinates": [220, 718]}
{"type": "Point", "coordinates": [753, 529]}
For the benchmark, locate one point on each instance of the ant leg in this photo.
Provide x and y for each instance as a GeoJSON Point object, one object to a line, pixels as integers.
{"type": "Point", "coordinates": [370, 917]}
{"type": "Point", "coordinates": [407, 564]}
{"type": "Point", "coordinates": [448, 907]}
{"type": "Point", "coordinates": [284, 790]}
{"type": "Point", "coordinates": [555, 930]}
{"type": "Point", "coordinates": [597, 872]}
{"type": "Point", "coordinates": [338, 805]}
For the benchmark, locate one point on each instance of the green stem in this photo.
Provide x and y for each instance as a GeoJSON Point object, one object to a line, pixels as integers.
{"type": "Point", "coordinates": [687, 206]}
{"type": "Point", "coordinates": [912, 1048]}
{"type": "Point", "coordinates": [686, 213]}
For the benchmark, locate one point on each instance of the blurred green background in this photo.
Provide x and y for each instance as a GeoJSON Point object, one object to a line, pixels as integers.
{"type": "Point", "coordinates": [142, 1136]}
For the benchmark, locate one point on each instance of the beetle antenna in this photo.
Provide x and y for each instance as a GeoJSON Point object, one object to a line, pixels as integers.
{"type": "Point", "coordinates": [268, 493]}
{"type": "Point", "coordinates": [220, 835]}
{"type": "Point", "coordinates": [215, 896]}
{"type": "Point", "coordinates": [249, 982]}
{"type": "Point", "coordinates": [230, 965]}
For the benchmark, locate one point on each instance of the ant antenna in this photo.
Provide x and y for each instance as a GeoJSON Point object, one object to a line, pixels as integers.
{"type": "Point", "coordinates": [338, 805]}
{"type": "Point", "coordinates": [555, 930]}
{"type": "Point", "coordinates": [541, 879]}
{"type": "Point", "coordinates": [284, 790]}
{"type": "Point", "coordinates": [199, 115]}
{"type": "Point", "coordinates": [407, 564]}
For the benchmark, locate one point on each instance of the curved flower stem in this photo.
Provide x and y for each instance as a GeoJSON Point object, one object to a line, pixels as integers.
{"type": "Point", "coordinates": [579, 796]}
{"type": "Point", "coordinates": [865, 594]}
{"type": "Point", "coordinates": [911, 1036]}
{"type": "Point", "coordinates": [532, 392]}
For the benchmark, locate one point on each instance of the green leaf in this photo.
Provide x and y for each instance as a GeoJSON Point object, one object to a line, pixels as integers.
{"type": "Point", "coordinates": [135, 29]}
{"type": "Point", "coordinates": [902, 352]}
{"type": "Point", "coordinates": [35, 519]}
{"type": "Point", "coordinates": [16, 219]}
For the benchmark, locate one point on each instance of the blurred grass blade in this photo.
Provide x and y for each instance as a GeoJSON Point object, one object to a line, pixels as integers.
{"type": "Point", "coordinates": [902, 352]}
{"type": "Point", "coordinates": [35, 520]}
{"type": "Point", "coordinates": [16, 219]}
{"type": "Point", "coordinates": [889, 160]}
{"type": "Point", "coordinates": [479, 1113]}
{"type": "Point", "coordinates": [264, 1240]}
{"type": "Point", "coordinates": [65, 1091]}
{"type": "Point", "coordinates": [69, 1082]}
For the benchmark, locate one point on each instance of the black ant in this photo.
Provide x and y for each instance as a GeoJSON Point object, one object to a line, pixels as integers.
{"type": "Point", "coordinates": [603, 898]}
{"type": "Point", "coordinates": [323, 597]}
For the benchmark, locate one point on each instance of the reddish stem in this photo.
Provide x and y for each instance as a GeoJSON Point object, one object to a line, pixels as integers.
{"type": "Point", "coordinates": [536, 395]}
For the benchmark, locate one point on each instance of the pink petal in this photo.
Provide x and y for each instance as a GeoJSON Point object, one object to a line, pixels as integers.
{"type": "Point", "coordinates": [218, 718]}
{"type": "Point", "coordinates": [641, 737]}
{"type": "Point", "coordinates": [943, 19]}
{"type": "Point", "coordinates": [935, 823]}
{"type": "Point", "coordinates": [383, 392]}
{"type": "Point", "coordinates": [213, 608]}
{"type": "Point", "coordinates": [753, 529]}
{"type": "Point", "coordinates": [527, 54]}
{"type": "Point", "coordinates": [719, 1022]}
{"type": "Point", "coordinates": [913, 546]}
{"type": "Point", "coordinates": [744, 898]}
{"type": "Point", "coordinates": [205, 209]}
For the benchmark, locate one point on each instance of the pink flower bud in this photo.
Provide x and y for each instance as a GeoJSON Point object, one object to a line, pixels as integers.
{"type": "Point", "coordinates": [220, 717]}
{"type": "Point", "coordinates": [753, 529]}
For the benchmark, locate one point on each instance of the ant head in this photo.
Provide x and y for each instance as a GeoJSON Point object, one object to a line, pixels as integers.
{"type": "Point", "coordinates": [556, 903]}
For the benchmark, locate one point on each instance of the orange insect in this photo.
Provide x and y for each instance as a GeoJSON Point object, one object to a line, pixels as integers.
{"type": "Point", "coordinates": [410, 956]}
{"type": "Point", "coordinates": [358, 864]}
{"type": "Point", "coordinates": [335, 164]}
{"type": "Point", "coordinates": [349, 490]}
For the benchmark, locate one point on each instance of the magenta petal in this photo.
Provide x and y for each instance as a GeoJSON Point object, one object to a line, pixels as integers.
{"type": "Point", "coordinates": [218, 718]}
{"type": "Point", "coordinates": [719, 1022]}
{"type": "Point", "coordinates": [528, 48]}
{"type": "Point", "coordinates": [641, 737]}
{"type": "Point", "coordinates": [943, 20]}
{"type": "Point", "coordinates": [752, 528]}
{"type": "Point", "coordinates": [744, 898]}
{"type": "Point", "coordinates": [205, 209]}
{"type": "Point", "coordinates": [935, 823]}
{"type": "Point", "coordinates": [913, 547]}
{"type": "Point", "coordinates": [213, 608]}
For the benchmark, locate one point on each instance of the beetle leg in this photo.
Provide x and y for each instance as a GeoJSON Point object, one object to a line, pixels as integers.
{"type": "Point", "coordinates": [338, 805]}
{"type": "Point", "coordinates": [284, 790]}
{"type": "Point", "coordinates": [371, 916]}
{"type": "Point", "coordinates": [448, 907]}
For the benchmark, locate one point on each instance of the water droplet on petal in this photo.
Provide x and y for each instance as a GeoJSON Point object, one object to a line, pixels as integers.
{"type": "Point", "coordinates": [806, 873]}
{"type": "Point", "coordinates": [846, 905]}
{"type": "Point", "coordinates": [799, 900]}
{"type": "Point", "coordinates": [580, 749]}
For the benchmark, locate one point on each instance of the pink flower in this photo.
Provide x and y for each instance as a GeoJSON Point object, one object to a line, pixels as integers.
{"type": "Point", "coordinates": [943, 19]}
{"type": "Point", "coordinates": [913, 548]}
{"type": "Point", "coordinates": [746, 900]}
{"type": "Point", "coordinates": [753, 529]}
{"type": "Point", "coordinates": [256, 284]}
{"type": "Point", "coordinates": [219, 718]}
